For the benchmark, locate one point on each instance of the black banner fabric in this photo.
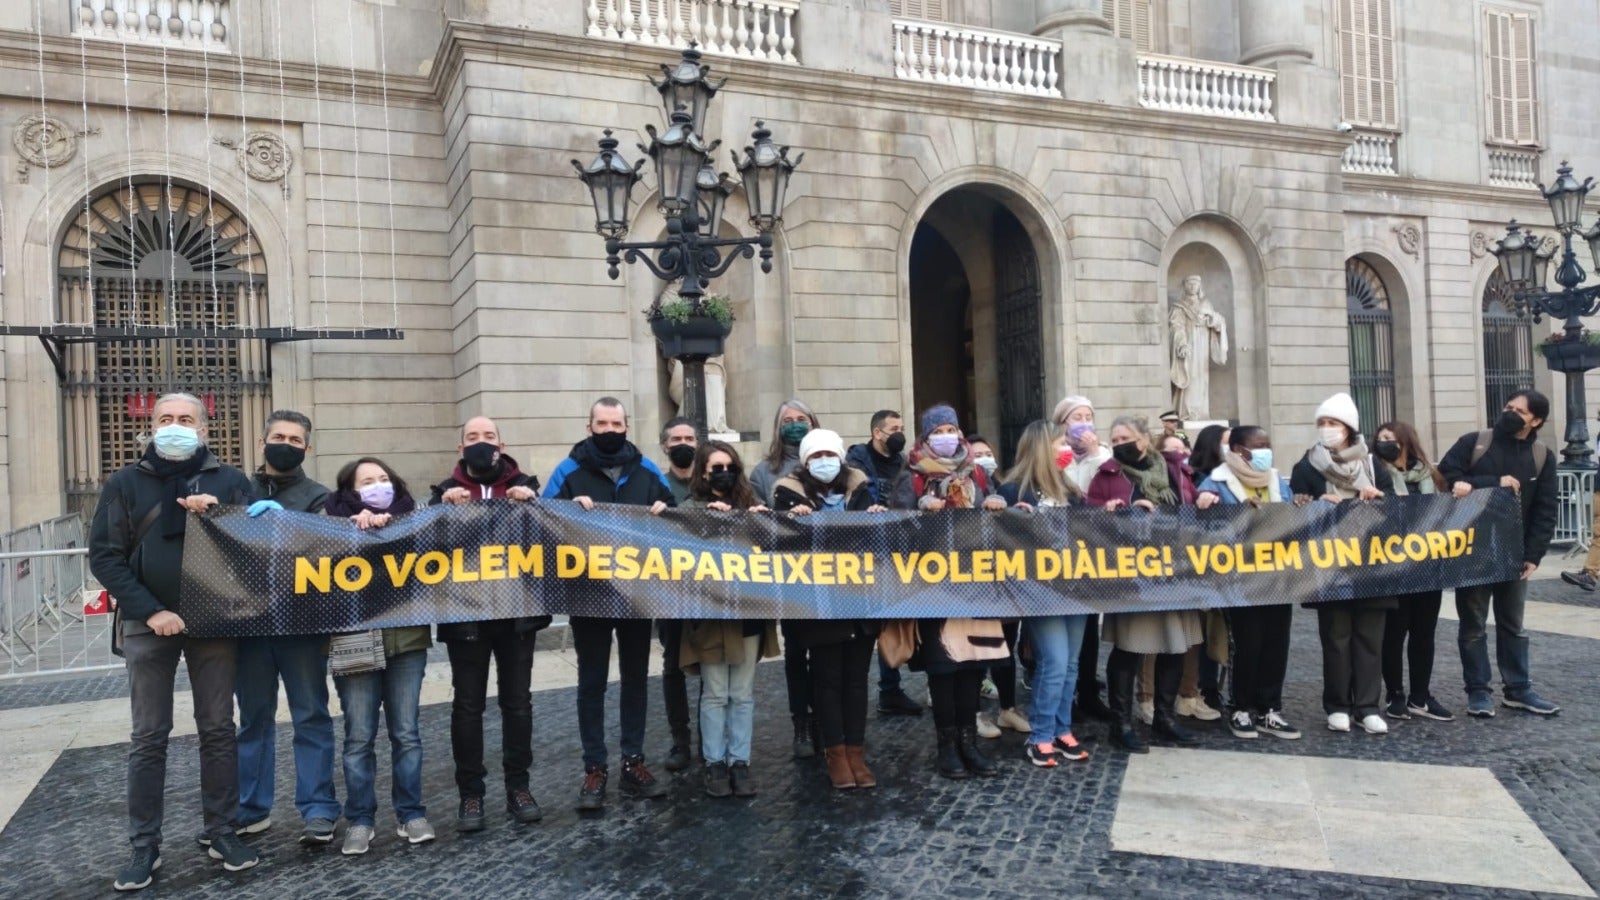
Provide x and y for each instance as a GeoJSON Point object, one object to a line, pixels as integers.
{"type": "Point", "coordinates": [294, 573]}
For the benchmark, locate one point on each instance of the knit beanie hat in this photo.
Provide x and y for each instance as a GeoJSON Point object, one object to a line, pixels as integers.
{"type": "Point", "coordinates": [820, 439]}
{"type": "Point", "coordinates": [1067, 405]}
{"type": "Point", "coordinates": [1342, 408]}
{"type": "Point", "coordinates": [936, 416]}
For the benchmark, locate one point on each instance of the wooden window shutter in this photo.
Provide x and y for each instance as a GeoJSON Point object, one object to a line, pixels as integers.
{"type": "Point", "coordinates": [1132, 20]}
{"type": "Point", "coordinates": [1366, 63]}
{"type": "Point", "coordinates": [1511, 77]}
{"type": "Point", "coordinates": [931, 10]}
{"type": "Point", "coordinates": [1524, 82]}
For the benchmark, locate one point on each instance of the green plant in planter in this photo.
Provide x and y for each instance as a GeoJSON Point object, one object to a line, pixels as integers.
{"type": "Point", "coordinates": [680, 309]}
{"type": "Point", "coordinates": [1590, 338]}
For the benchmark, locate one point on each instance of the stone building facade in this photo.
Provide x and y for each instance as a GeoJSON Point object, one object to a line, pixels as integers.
{"type": "Point", "coordinates": [999, 201]}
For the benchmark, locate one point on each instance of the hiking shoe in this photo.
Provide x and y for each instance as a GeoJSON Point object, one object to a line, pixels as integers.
{"type": "Point", "coordinates": [1530, 701]}
{"type": "Point", "coordinates": [1043, 755]}
{"type": "Point", "coordinates": [1580, 578]}
{"type": "Point", "coordinates": [805, 744]}
{"type": "Point", "coordinates": [637, 780]}
{"type": "Point", "coordinates": [469, 814]}
{"type": "Point", "coordinates": [986, 729]}
{"type": "Point", "coordinates": [1430, 709]}
{"type": "Point", "coordinates": [739, 776]}
{"type": "Point", "coordinates": [1374, 724]}
{"type": "Point", "coordinates": [317, 831]}
{"type": "Point", "coordinates": [678, 756]}
{"type": "Point", "coordinates": [717, 781]}
{"type": "Point", "coordinates": [1397, 708]}
{"type": "Point", "coordinates": [1275, 724]}
{"type": "Point", "coordinates": [521, 806]}
{"type": "Point", "coordinates": [1243, 726]}
{"type": "Point", "coordinates": [897, 703]}
{"type": "Point", "coordinates": [357, 840]}
{"type": "Point", "coordinates": [1338, 721]}
{"type": "Point", "coordinates": [416, 831]}
{"type": "Point", "coordinates": [1068, 748]}
{"type": "Point", "coordinates": [593, 793]}
{"type": "Point", "coordinates": [139, 870]}
{"type": "Point", "coordinates": [235, 854]}
{"type": "Point", "coordinates": [1013, 719]}
{"type": "Point", "coordinates": [1480, 706]}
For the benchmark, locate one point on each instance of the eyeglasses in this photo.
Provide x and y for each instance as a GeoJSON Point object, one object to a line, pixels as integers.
{"type": "Point", "coordinates": [721, 467]}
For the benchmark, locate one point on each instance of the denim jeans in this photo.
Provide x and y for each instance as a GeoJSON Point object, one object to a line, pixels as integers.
{"type": "Point", "coordinates": [1510, 642]}
{"type": "Point", "coordinates": [888, 677]}
{"type": "Point", "coordinates": [302, 662]}
{"type": "Point", "coordinates": [152, 662]}
{"type": "Point", "coordinates": [469, 680]}
{"type": "Point", "coordinates": [728, 706]}
{"type": "Point", "coordinates": [591, 637]}
{"type": "Point", "coordinates": [398, 690]}
{"type": "Point", "coordinates": [1057, 641]}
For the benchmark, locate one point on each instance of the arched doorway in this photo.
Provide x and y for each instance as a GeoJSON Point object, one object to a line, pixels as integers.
{"type": "Point", "coordinates": [1507, 347]}
{"type": "Point", "coordinates": [977, 330]}
{"type": "Point", "coordinates": [158, 253]}
{"type": "Point", "coordinates": [1371, 343]}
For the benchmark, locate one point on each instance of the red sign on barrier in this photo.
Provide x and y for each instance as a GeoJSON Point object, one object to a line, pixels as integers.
{"type": "Point", "coordinates": [98, 605]}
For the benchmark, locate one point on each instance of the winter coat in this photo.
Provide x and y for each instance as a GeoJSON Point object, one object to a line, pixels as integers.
{"type": "Point", "coordinates": [763, 479]}
{"type": "Point", "coordinates": [883, 472]}
{"type": "Point", "coordinates": [292, 490]}
{"type": "Point", "coordinates": [638, 481]}
{"type": "Point", "coordinates": [789, 492]}
{"type": "Point", "coordinates": [1230, 490]}
{"type": "Point", "coordinates": [1083, 469]}
{"type": "Point", "coordinates": [507, 475]}
{"type": "Point", "coordinates": [1109, 483]}
{"type": "Point", "coordinates": [1305, 479]}
{"type": "Point", "coordinates": [144, 578]}
{"type": "Point", "coordinates": [1510, 456]}
{"type": "Point", "coordinates": [717, 641]}
{"type": "Point", "coordinates": [678, 486]}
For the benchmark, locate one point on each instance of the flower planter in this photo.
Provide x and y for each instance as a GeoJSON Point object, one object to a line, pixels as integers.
{"type": "Point", "coordinates": [695, 336]}
{"type": "Point", "coordinates": [1572, 356]}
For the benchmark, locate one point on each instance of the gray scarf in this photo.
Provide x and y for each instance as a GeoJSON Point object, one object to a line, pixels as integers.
{"type": "Point", "coordinates": [1348, 471]}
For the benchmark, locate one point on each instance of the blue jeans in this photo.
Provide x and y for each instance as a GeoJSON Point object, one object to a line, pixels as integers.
{"type": "Point", "coordinates": [728, 705]}
{"type": "Point", "coordinates": [1056, 643]}
{"type": "Point", "coordinates": [1510, 642]}
{"type": "Point", "coordinates": [303, 664]}
{"type": "Point", "coordinates": [398, 690]}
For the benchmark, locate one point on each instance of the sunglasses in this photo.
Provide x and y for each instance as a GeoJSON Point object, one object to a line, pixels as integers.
{"type": "Point", "coordinates": [722, 468]}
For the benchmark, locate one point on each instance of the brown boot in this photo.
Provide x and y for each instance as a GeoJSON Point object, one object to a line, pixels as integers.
{"type": "Point", "coordinates": [857, 755]}
{"type": "Point", "coordinates": [839, 767]}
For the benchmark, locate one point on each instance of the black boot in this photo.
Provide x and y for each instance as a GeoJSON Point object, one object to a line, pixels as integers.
{"type": "Point", "coordinates": [678, 756]}
{"type": "Point", "coordinates": [973, 758]}
{"type": "Point", "coordinates": [1169, 673]}
{"type": "Point", "coordinates": [948, 758]}
{"type": "Point", "coordinates": [805, 742]}
{"type": "Point", "coordinates": [1119, 688]}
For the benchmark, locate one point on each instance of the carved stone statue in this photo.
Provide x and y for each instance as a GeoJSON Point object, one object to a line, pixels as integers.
{"type": "Point", "coordinates": [716, 393]}
{"type": "Point", "coordinates": [1199, 341]}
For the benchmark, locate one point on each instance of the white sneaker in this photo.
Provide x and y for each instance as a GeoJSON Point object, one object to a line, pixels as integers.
{"type": "Point", "coordinates": [1013, 719]}
{"type": "Point", "coordinates": [417, 831]}
{"type": "Point", "coordinates": [1374, 724]}
{"type": "Point", "coordinates": [357, 839]}
{"type": "Point", "coordinates": [1338, 721]}
{"type": "Point", "coordinates": [986, 728]}
{"type": "Point", "coordinates": [1145, 711]}
{"type": "Point", "coordinates": [989, 691]}
{"type": "Point", "coordinates": [1196, 708]}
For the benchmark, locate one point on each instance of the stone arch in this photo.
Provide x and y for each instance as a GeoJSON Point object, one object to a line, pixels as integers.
{"type": "Point", "coordinates": [1412, 366]}
{"type": "Point", "coordinates": [1219, 249]}
{"type": "Point", "coordinates": [1542, 379]}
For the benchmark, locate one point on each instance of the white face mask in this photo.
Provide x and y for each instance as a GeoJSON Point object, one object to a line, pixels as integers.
{"type": "Point", "coordinates": [988, 464]}
{"type": "Point", "coordinates": [1332, 436]}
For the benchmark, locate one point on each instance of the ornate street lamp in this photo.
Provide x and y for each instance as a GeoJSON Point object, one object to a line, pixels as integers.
{"type": "Point", "coordinates": [692, 197]}
{"type": "Point", "coordinates": [1524, 260]}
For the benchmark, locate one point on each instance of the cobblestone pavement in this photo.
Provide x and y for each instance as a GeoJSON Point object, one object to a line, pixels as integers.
{"type": "Point", "coordinates": [1028, 832]}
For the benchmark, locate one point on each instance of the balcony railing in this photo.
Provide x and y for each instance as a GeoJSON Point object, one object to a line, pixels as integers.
{"type": "Point", "coordinates": [1370, 153]}
{"type": "Point", "coordinates": [753, 29]}
{"type": "Point", "coordinates": [977, 58]}
{"type": "Point", "coordinates": [1205, 88]}
{"type": "Point", "coordinates": [191, 24]}
{"type": "Point", "coordinates": [1514, 166]}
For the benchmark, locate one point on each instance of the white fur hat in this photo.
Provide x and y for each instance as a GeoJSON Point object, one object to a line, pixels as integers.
{"type": "Point", "coordinates": [819, 439]}
{"type": "Point", "coordinates": [1341, 407]}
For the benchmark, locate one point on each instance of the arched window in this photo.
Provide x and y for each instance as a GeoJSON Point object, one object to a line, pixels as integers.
{"type": "Point", "coordinates": [1371, 344]}
{"type": "Point", "coordinates": [1507, 347]}
{"type": "Point", "coordinates": [158, 253]}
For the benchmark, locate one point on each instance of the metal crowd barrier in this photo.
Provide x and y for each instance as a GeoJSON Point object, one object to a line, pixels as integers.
{"type": "Point", "coordinates": [1575, 509]}
{"type": "Point", "coordinates": [54, 618]}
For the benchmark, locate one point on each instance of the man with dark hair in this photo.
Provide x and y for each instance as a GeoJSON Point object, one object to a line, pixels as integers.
{"type": "Point", "coordinates": [883, 460]}
{"type": "Point", "coordinates": [301, 661]}
{"type": "Point", "coordinates": [606, 468]}
{"type": "Point", "coordinates": [136, 552]}
{"type": "Point", "coordinates": [487, 472]}
{"type": "Point", "coordinates": [1510, 456]}
{"type": "Point", "coordinates": [679, 442]}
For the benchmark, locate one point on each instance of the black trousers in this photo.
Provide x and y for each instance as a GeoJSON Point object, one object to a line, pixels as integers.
{"type": "Point", "coordinates": [1352, 658]}
{"type": "Point", "coordinates": [955, 697]}
{"type": "Point", "coordinates": [1408, 637]}
{"type": "Point", "coordinates": [674, 684]}
{"type": "Point", "coordinates": [838, 685]}
{"type": "Point", "coordinates": [469, 681]}
{"type": "Point", "coordinates": [1004, 672]}
{"type": "Point", "coordinates": [1260, 656]}
{"type": "Point", "coordinates": [591, 637]}
{"type": "Point", "coordinates": [797, 673]}
{"type": "Point", "coordinates": [1089, 683]}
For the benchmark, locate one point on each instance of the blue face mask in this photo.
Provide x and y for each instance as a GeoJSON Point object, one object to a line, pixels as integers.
{"type": "Point", "coordinates": [176, 441]}
{"type": "Point", "coordinates": [1261, 459]}
{"type": "Point", "coordinates": [824, 468]}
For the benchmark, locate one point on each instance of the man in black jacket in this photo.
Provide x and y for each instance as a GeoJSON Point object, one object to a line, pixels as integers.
{"type": "Point", "coordinates": [606, 468]}
{"type": "Point", "coordinates": [136, 552]}
{"type": "Point", "coordinates": [679, 442]}
{"type": "Point", "coordinates": [1511, 459]}
{"type": "Point", "coordinates": [300, 660]}
{"type": "Point", "coordinates": [486, 472]}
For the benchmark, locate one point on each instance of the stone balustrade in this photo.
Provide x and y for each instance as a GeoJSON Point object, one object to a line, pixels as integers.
{"type": "Point", "coordinates": [975, 57]}
{"type": "Point", "coordinates": [189, 24]}
{"type": "Point", "coordinates": [1205, 88]}
{"type": "Point", "coordinates": [1514, 166]}
{"type": "Point", "coordinates": [753, 29]}
{"type": "Point", "coordinates": [1370, 153]}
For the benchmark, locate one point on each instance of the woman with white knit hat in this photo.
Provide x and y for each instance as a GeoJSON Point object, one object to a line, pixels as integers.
{"type": "Point", "coordinates": [1339, 468]}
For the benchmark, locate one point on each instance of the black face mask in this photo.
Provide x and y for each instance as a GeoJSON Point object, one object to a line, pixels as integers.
{"type": "Point", "coordinates": [722, 482]}
{"type": "Point", "coordinates": [480, 457]}
{"type": "Point", "coordinates": [1128, 454]}
{"type": "Point", "coordinates": [609, 442]}
{"type": "Point", "coordinates": [681, 455]}
{"type": "Point", "coordinates": [1388, 451]}
{"type": "Point", "coordinates": [1509, 424]}
{"type": "Point", "coordinates": [895, 443]}
{"type": "Point", "coordinates": [284, 457]}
